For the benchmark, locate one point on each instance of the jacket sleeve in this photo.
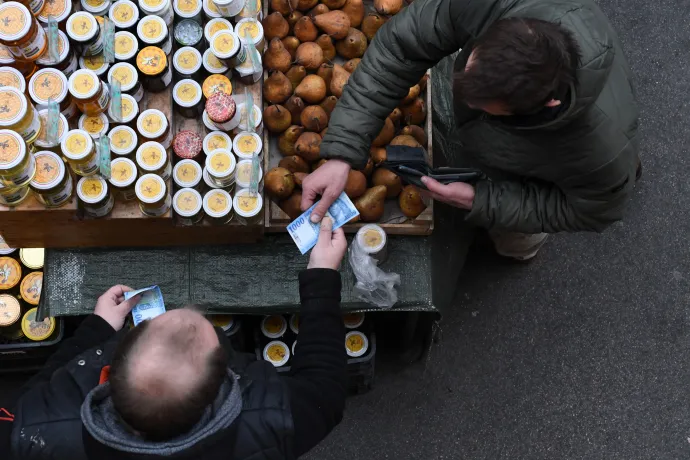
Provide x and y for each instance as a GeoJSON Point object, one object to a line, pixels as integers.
{"type": "Point", "coordinates": [318, 378]}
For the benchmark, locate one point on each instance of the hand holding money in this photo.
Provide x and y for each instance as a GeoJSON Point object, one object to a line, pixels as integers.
{"type": "Point", "coordinates": [149, 306]}
{"type": "Point", "coordinates": [330, 247]}
{"type": "Point", "coordinates": [113, 307]}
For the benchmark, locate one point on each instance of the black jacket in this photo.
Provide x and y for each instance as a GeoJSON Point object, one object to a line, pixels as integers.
{"type": "Point", "coordinates": [282, 417]}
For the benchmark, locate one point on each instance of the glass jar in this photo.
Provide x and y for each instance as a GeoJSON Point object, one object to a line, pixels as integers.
{"type": "Point", "coordinates": [187, 145]}
{"type": "Point", "coordinates": [124, 15]}
{"type": "Point", "coordinates": [189, 9]}
{"type": "Point", "coordinates": [216, 25]}
{"type": "Point", "coordinates": [187, 63]}
{"type": "Point", "coordinates": [210, 125]}
{"type": "Point", "coordinates": [17, 164]}
{"type": "Point", "coordinates": [18, 114]}
{"type": "Point", "coordinates": [220, 165]}
{"type": "Point", "coordinates": [187, 174]}
{"type": "Point", "coordinates": [123, 177]}
{"type": "Point", "coordinates": [153, 126]}
{"type": "Point", "coordinates": [26, 68]}
{"type": "Point", "coordinates": [10, 310]}
{"type": "Point", "coordinates": [95, 62]}
{"type": "Point", "coordinates": [152, 193]}
{"type": "Point", "coordinates": [90, 94]}
{"type": "Point", "coordinates": [37, 330]}
{"type": "Point", "coordinates": [130, 110]}
{"type": "Point", "coordinates": [32, 258]}
{"type": "Point", "coordinates": [153, 65]}
{"type": "Point", "coordinates": [188, 32]}
{"type": "Point", "coordinates": [58, 9]}
{"type": "Point", "coordinates": [221, 110]}
{"type": "Point", "coordinates": [123, 141]}
{"type": "Point", "coordinates": [80, 151]}
{"type": "Point", "coordinates": [249, 13]}
{"type": "Point", "coordinates": [95, 196]}
{"type": "Point", "coordinates": [20, 32]}
{"type": "Point", "coordinates": [188, 206]}
{"type": "Point", "coordinates": [161, 8]}
{"type": "Point", "coordinates": [96, 126]}
{"type": "Point", "coordinates": [246, 145]}
{"type": "Point", "coordinates": [356, 344]}
{"type": "Point", "coordinates": [35, 6]}
{"type": "Point", "coordinates": [96, 7]}
{"type": "Point", "coordinates": [210, 10]}
{"type": "Point", "coordinates": [243, 174]}
{"type": "Point", "coordinates": [31, 288]}
{"type": "Point", "coordinates": [128, 77]}
{"type": "Point", "coordinates": [212, 64]}
{"type": "Point", "coordinates": [12, 273]}
{"type": "Point", "coordinates": [225, 46]}
{"type": "Point", "coordinates": [153, 159]}
{"type": "Point", "coordinates": [13, 196]}
{"type": "Point", "coordinates": [255, 31]}
{"type": "Point", "coordinates": [229, 8]}
{"type": "Point", "coordinates": [243, 125]}
{"type": "Point", "coordinates": [85, 32]}
{"type": "Point", "coordinates": [52, 84]}
{"type": "Point", "coordinates": [67, 60]}
{"type": "Point", "coordinates": [277, 353]}
{"type": "Point", "coordinates": [216, 140]}
{"type": "Point", "coordinates": [126, 47]}
{"type": "Point", "coordinates": [248, 208]}
{"type": "Point", "coordinates": [152, 31]}
{"type": "Point", "coordinates": [12, 77]}
{"type": "Point", "coordinates": [187, 96]}
{"type": "Point", "coordinates": [42, 141]}
{"type": "Point", "coordinates": [218, 207]}
{"type": "Point", "coordinates": [216, 83]}
{"type": "Point", "coordinates": [52, 183]}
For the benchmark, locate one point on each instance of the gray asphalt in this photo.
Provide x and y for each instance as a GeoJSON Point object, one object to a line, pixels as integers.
{"type": "Point", "coordinates": [582, 354]}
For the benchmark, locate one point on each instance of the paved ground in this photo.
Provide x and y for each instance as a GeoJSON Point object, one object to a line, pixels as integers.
{"type": "Point", "coordinates": [584, 353]}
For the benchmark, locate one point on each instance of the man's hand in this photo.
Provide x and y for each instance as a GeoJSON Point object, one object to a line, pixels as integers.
{"type": "Point", "coordinates": [113, 308]}
{"type": "Point", "coordinates": [330, 247]}
{"type": "Point", "coordinates": [329, 182]}
{"type": "Point", "coordinates": [457, 194]}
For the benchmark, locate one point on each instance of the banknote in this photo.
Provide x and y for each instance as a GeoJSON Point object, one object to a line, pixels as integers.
{"type": "Point", "coordinates": [305, 233]}
{"type": "Point", "coordinates": [150, 305]}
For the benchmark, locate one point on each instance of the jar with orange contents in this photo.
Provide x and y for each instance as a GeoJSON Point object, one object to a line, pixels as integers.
{"type": "Point", "coordinates": [95, 196]}
{"type": "Point", "coordinates": [152, 194]}
{"type": "Point", "coordinates": [42, 142]}
{"type": "Point", "coordinates": [35, 6]}
{"type": "Point", "coordinates": [52, 183]}
{"type": "Point", "coordinates": [67, 60]}
{"type": "Point", "coordinates": [17, 164]}
{"type": "Point", "coordinates": [153, 126]}
{"type": "Point", "coordinates": [51, 84]}
{"type": "Point", "coordinates": [85, 31]}
{"type": "Point", "coordinates": [26, 68]}
{"type": "Point", "coordinates": [90, 94]}
{"type": "Point", "coordinates": [20, 32]}
{"type": "Point", "coordinates": [80, 151]}
{"type": "Point", "coordinates": [155, 69]}
{"type": "Point", "coordinates": [18, 114]}
{"type": "Point", "coordinates": [12, 77]}
{"type": "Point", "coordinates": [58, 9]}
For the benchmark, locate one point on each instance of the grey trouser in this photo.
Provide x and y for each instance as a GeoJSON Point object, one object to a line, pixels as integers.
{"type": "Point", "coordinates": [520, 246]}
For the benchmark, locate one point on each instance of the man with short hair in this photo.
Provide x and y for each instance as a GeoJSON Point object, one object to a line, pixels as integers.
{"type": "Point", "coordinates": [544, 105]}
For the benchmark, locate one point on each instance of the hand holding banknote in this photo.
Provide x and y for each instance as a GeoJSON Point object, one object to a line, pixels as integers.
{"type": "Point", "coordinates": [113, 307]}
{"type": "Point", "coordinates": [330, 247]}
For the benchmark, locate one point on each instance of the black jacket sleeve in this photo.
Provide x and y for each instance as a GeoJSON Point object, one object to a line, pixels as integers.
{"type": "Point", "coordinates": [318, 378]}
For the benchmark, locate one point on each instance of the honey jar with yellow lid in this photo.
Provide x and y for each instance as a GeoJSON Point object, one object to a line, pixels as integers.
{"type": "Point", "coordinates": [252, 28]}
{"type": "Point", "coordinates": [152, 31]}
{"type": "Point", "coordinates": [246, 145]}
{"type": "Point", "coordinates": [212, 64]}
{"type": "Point", "coordinates": [248, 207]}
{"type": "Point", "coordinates": [123, 141]}
{"type": "Point", "coordinates": [277, 353]}
{"type": "Point", "coordinates": [58, 9]}
{"type": "Point", "coordinates": [187, 174]}
{"type": "Point", "coordinates": [153, 65]}
{"type": "Point", "coordinates": [128, 77]}
{"type": "Point", "coordinates": [188, 9]}
{"type": "Point", "coordinates": [30, 288]}
{"type": "Point", "coordinates": [10, 273]}
{"type": "Point", "coordinates": [129, 110]}
{"type": "Point", "coordinates": [123, 177]}
{"type": "Point", "coordinates": [125, 15]}
{"type": "Point", "coordinates": [50, 84]}
{"type": "Point", "coordinates": [90, 94]}
{"type": "Point", "coordinates": [152, 194]}
{"type": "Point", "coordinates": [17, 164]}
{"type": "Point", "coordinates": [188, 206]}
{"type": "Point", "coordinates": [95, 196]}
{"type": "Point", "coordinates": [10, 310]}
{"type": "Point", "coordinates": [21, 33]}
{"type": "Point", "coordinates": [52, 182]}
{"type": "Point", "coordinates": [216, 25]}
{"type": "Point", "coordinates": [218, 207]}
{"type": "Point", "coordinates": [96, 126]}
{"type": "Point", "coordinates": [220, 165]}
{"type": "Point", "coordinates": [85, 31]}
{"type": "Point", "coordinates": [37, 330]}
{"type": "Point", "coordinates": [153, 126]}
{"type": "Point", "coordinates": [32, 258]}
{"type": "Point", "coordinates": [10, 76]}
{"type": "Point", "coordinates": [216, 140]}
{"type": "Point", "coordinates": [217, 83]}
{"type": "Point", "coordinates": [187, 96]}
{"type": "Point", "coordinates": [80, 151]}
{"type": "Point", "coordinates": [17, 113]}
{"type": "Point", "coordinates": [152, 158]}
{"type": "Point", "coordinates": [126, 47]}
{"type": "Point", "coordinates": [12, 197]}
{"type": "Point", "coordinates": [187, 63]}
{"type": "Point", "coordinates": [95, 62]}
{"type": "Point", "coordinates": [225, 45]}
{"type": "Point", "coordinates": [243, 174]}
{"type": "Point", "coordinates": [42, 142]}
{"type": "Point", "coordinates": [161, 8]}
{"type": "Point", "coordinates": [67, 61]}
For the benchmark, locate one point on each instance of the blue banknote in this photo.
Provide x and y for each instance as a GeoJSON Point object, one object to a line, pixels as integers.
{"type": "Point", "coordinates": [150, 305]}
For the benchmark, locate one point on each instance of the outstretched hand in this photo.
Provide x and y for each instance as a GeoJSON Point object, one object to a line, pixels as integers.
{"type": "Point", "coordinates": [113, 307]}
{"type": "Point", "coordinates": [329, 182]}
{"type": "Point", "coordinates": [458, 194]}
{"type": "Point", "coordinates": [330, 247]}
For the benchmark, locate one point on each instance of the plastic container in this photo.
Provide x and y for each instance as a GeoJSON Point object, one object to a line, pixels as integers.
{"type": "Point", "coordinates": [123, 141]}
{"type": "Point", "coordinates": [273, 326]}
{"type": "Point", "coordinates": [153, 31]}
{"type": "Point", "coordinates": [248, 208]}
{"type": "Point", "coordinates": [216, 83]}
{"type": "Point", "coordinates": [246, 145]}
{"type": "Point", "coordinates": [189, 9]}
{"type": "Point", "coordinates": [123, 177]}
{"type": "Point", "coordinates": [187, 145]}
{"type": "Point", "coordinates": [188, 206]}
{"type": "Point", "coordinates": [10, 76]}
{"type": "Point", "coordinates": [32, 258]}
{"type": "Point", "coordinates": [216, 140]}
{"type": "Point", "coordinates": [276, 353]}
{"type": "Point", "coordinates": [213, 65]}
{"type": "Point", "coordinates": [187, 96]}
{"type": "Point", "coordinates": [125, 15]}
{"type": "Point", "coordinates": [255, 31]}
{"type": "Point", "coordinates": [189, 32]}
{"type": "Point", "coordinates": [18, 114]}
{"type": "Point", "coordinates": [12, 273]}
{"type": "Point", "coordinates": [243, 174]}
{"type": "Point", "coordinates": [17, 164]}
{"type": "Point", "coordinates": [187, 63]}
{"type": "Point", "coordinates": [67, 61]}
{"type": "Point", "coordinates": [152, 194]}
{"type": "Point", "coordinates": [372, 240]}
{"type": "Point", "coordinates": [96, 126]}
{"type": "Point", "coordinates": [153, 126]}
{"type": "Point", "coordinates": [85, 32]}
{"type": "Point", "coordinates": [220, 165]}
{"type": "Point", "coordinates": [156, 73]}
{"type": "Point", "coordinates": [218, 207]}
{"type": "Point", "coordinates": [30, 289]}
{"type": "Point", "coordinates": [52, 182]}
{"type": "Point", "coordinates": [96, 7]}
{"type": "Point", "coordinates": [42, 141]}
{"type": "Point", "coordinates": [90, 94]}
{"type": "Point", "coordinates": [128, 77]}
{"type": "Point", "coordinates": [129, 109]}
{"type": "Point", "coordinates": [52, 84]}
{"type": "Point", "coordinates": [221, 109]}
{"type": "Point", "coordinates": [37, 330]}
{"type": "Point", "coordinates": [21, 33]}
{"type": "Point", "coordinates": [152, 158]}
{"type": "Point", "coordinates": [126, 47]}
{"type": "Point", "coordinates": [187, 174]}
{"type": "Point", "coordinates": [161, 8]}
{"type": "Point", "coordinates": [80, 151]}
{"type": "Point", "coordinates": [95, 196]}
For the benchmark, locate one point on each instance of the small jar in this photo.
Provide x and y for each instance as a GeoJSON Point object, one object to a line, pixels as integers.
{"type": "Point", "coordinates": [274, 326]}
{"type": "Point", "coordinates": [220, 165]}
{"type": "Point", "coordinates": [277, 353]}
{"type": "Point", "coordinates": [37, 330]}
{"type": "Point", "coordinates": [85, 32]}
{"type": "Point", "coordinates": [35, 6]}
{"type": "Point", "coordinates": [52, 183]}
{"type": "Point", "coordinates": [189, 9]}
{"type": "Point", "coordinates": [10, 310]}
{"type": "Point", "coordinates": [12, 77]}
{"type": "Point", "coordinates": [32, 258]}
{"type": "Point", "coordinates": [187, 174]}
{"type": "Point", "coordinates": [221, 110]}
{"type": "Point", "coordinates": [153, 159]}
{"type": "Point", "coordinates": [243, 174]}
{"type": "Point", "coordinates": [255, 31]}
{"type": "Point", "coordinates": [123, 141]}
{"type": "Point", "coordinates": [58, 9]}
{"type": "Point", "coordinates": [189, 33]}
{"type": "Point", "coordinates": [26, 68]}
{"type": "Point", "coordinates": [152, 193]}
{"type": "Point", "coordinates": [187, 96]}
{"type": "Point", "coordinates": [96, 7]}
{"type": "Point", "coordinates": [229, 8]}
{"type": "Point", "coordinates": [216, 25]}
{"type": "Point", "coordinates": [154, 68]}
{"type": "Point", "coordinates": [356, 344]}
{"type": "Point", "coordinates": [160, 8]}
{"type": "Point", "coordinates": [246, 145]}
{"type": "Point", "coordinates": [187, 145]}
{"type": "Point", "coordinates": [246, 70]}
{"type": "Point", "coordinates": [30, 288]}
{"type": "Point", "coordinates": [90, 94]}
{"type": "Point", "coordinates": [152, 31]}
{"type": "Point", "coordinates": [67, 60]}
{"type": "Point", "coordinates": [216, 140]}
{"type": "Point", "coordinates": [248, 13]}
{"type": "Point", "coordinates": [218, 207]}
{"type": "Point", "coordinates": [188, 206]}
{"type": "Point", "coordinates": [129, 111]}
{"type": "Point", "coordinates": [96, 126]}
{"type": "Point", "coordinates": [153, 126]}
{"type": "Point", "coordinates": [124, 15]}
{"type": "Point", "coordinates": [95, 196]}
{"type": "Point", "coordinates": [21, 33]}
{"type": "Point", "coordinates": [42, 141]}
{"type": "Point", "coordinates": [52, 84]}
{"type": "Point", "coordinates": [95, 62]}
{"type": "Point", "coordinates": [353, 321]}
{"type": "Point", "coordinates": [210, 10]}
{"type": "Point", "coordinates": [126, 47]}
{"type": "Point", "coordinates": [248, 208]}
{"type": "Point", "coordinates": [187, 63]}
{"type": "Point", "coordinates": [80, 151]}
{"type": "Point", "coordinates": [210, 125]}
{"type": "Point", "coordinates": [123, 177]}
{"type": "Point", "coordinates": [212, 64]}
{"type": "Point", "coordinates": [225, 46]}
{"type": "Point", "coordinates": [18, 114]}
{"type": "Point", "coordinates": [12, 197]}
{"type": "Point", "coordinates": [216, 83]}
{"type": "Point", "coordinates": [12, 273]}
{"type": "Point", "coordinates": [243, 125]}
{"type": "Point", "coordinates": [128, 77]}
{"type": "Point", "coordinates": [17, 164]}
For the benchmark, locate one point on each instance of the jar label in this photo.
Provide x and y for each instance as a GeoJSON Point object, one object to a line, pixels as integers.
{"type": "Point", "coordinates": [167, 78]}
{"type": "Point", "coordinates": [105, 98]}
{"type": "Point", "coordinates": [85, 84]}
{"type": "Point", "coordinates": [81, 25]}
{"type": "Point", "coordinates": [221, 163]}
{"type": "Point", "coordinates": [60, 196]}
{"type": "Point", "coordinates": [36, 6]}
{"type": "Point", "coordinates": [152, 30]}
{"type": "Point", "coordinates": [186, 92]}
{"type": "Point", "coordinates": [127, 108]}
{"type": "Point", "coordinates": [96, 62]}
{"type": "Point", "coordinates": [103, 210]}
{"type": "Point", "coordinates": [218, 202]}
{"type": "Point", "coordinates": [124, 45]}
{"type": "Point", "coordinates": [10, 105]}
{"type": "Point", "coordinates": [152, 156]}
{"type": "Point", "coordinates": [121, 139]}
{"type": "Point", "coordinates": [123, 13]}
{"type": "Point", "coordinates": [53, 8]}
{"type": "Point", "coordinates": [216, 26]}
{"type": "Point", "coordinates": [187, 60]}
{"type": "Point", "coordinates": [89, 168]}
{"type": "Point", "coordinates": [156, 212]}
{"type": "Point", "coordinates": [12, 20]}
{"type": "Point", "coordinates": [355, 343]}
{"type": "Point", "coordinates": [187, 6]}
{"type": "Point", "coordinates": [151, 60]}
{"type": "Point", "coordinates": [72, 67]}
{"type": "Point", "coordinates": [250, 27]}
{"type": "Point", "coordinates": [93, 125]}
{"type": "Point", "coordinates": [91, 188]}
{"type": "Point", "coordinates": [97, 46]}
{"type": "Point", "coordinates": [15, 196]}
{"type": "Point", "coordinates": [247, 203]}
{"type": "Point", "coordinates": [247, 144]}
{"type": "Point", "coordinates": [10, 272]}
{"type": "Point", "coordinates": [217, 141]}
{"type": "Point", "coordinates": [187, 202]}
{"type": "Point", "coordinates": [122, 172]}
{"type": "Point", "coordinates": [34, 128]}
{"type": "Point", "coordinates": [150, 188]}
{"type": "Point", "coordinates": [76, 144]}
{"type": "Point", "coordinates": [186, 174]}
{"type": "Point", "coordinates": [152, 123]}
{"type": "Point", "coordinates": [47, 169]}
{"type": "Point", "coordinates": [9, 78]}
{"type": "Point", "coordinates": [48, 85]}
{"type": "Point", "coordinates": [224, 42]}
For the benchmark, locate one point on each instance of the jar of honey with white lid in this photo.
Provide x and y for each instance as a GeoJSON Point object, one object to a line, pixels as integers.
{"type": "Point", "coordinates": [251, 31]}
{"type": "Point", "coordinates": [153, 126]}
{"type": "Point", "coordinates": [42, 142]}
{"type": "Point", "coordinates": [123, 141]}
{"type": "Point", "coordinates": [187, 62]}
{"type": "Point", "coordinates": [225, 45]}
{"type": "Point", "coordinates": [152, 31]}
{"type": "Point", "coordinates": [212, 64]}
{"type": "Point", "coordinates": [187, 96]}
{"type": "Point", "coordinates": [189, 9]}
{"type": "Point", "coordinates": [96, 126]}
{"type": "Point", "coordinates": [156, 73]}
{"type": "Point", "coordinates": [85, 32]}
{"type": "Point", "coordinates": [17, 164]}
{"type": "Point", "coordinates": [17, 113]}
{"type": "Point", "coordinates": [248, 207]}
{"type": "Point", "coordinates": [153, 159]}
{"type": "Point", "coordinates": [123, 177]}
{"type": "Point", "coordinates": [95, 195]}
{"type": "Point", "coordinates": [152, 194]}
{"type": "Point", "coordinates": [187, 174]}
{"type": "Point", "coordinates": [98, 8]}
{"type": "Point", "coordinates": [126, 47]}
{"type": "Point", "coordinates": [129, 109]}
{"type": "Point", "coordinates": [243, 174]}
{"type": "Point", "coordinates": [161, 8]}
{"type": "Point", "coordinates": [210, 10]}
{"type": "Point", "coordinates": [35, 6]}
{"type": "Point", "coordinates": [95, 62]}
{"type": "Point", "coordinates": [80, 151]}
{"type": "Point", "coordinates": [50, 84]}
{"type": "Point", "coordinates": [52, 183]}
{"type": "Point", "coordinates": [67, 61]}
{"type": "Point", "coordinates": [58, 9]}
{"type": "Point", "coordinates": [220, 165]}
{"type": "Point", "coordinates": [188, 206]}
{"type": "Point", "coordinates": [218, 207]}
{"type": "Point", "coordinates": [21, 33]}
{"type": "Point", "coordinates": [90, 94]}
{"type": "Point", "coordinates": [128, 77]}
{"type": "Point", "coordinates": [216, 140]}
{"type": "Point", "coordinates": [124, 15]}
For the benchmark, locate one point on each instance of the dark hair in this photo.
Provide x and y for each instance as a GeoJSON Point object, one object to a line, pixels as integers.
{"type": "Point", "coordinates": [160, 417]}
{"type": "Point", "coordinates": [521, 63]}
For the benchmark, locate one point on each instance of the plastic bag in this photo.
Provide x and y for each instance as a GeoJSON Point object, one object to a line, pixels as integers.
{"type": "Point", "coordinates": [373, 285]}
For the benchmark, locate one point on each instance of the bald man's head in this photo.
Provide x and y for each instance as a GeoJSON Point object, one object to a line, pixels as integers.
{"type": "Point", "coordinates": [165, 373]}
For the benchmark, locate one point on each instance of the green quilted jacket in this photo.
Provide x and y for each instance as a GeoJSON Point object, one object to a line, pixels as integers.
{"type": "Point", "coordinates": [574, 173]}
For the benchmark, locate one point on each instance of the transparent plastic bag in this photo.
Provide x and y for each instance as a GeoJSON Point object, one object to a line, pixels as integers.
{"type": "Point", "coordinates": [373, 285]}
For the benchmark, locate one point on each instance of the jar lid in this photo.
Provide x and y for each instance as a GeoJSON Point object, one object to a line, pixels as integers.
{"type": "Point", "coordinates": [207, 121]}
{"type": "Point", "coordinates": [216, 140]}
{"type": "Point", "coordinates": [58, 9]}
{"type": "Point", "coordinates": [187, 8]}
{"type": "Point", "coordinates": [30, 289]}
{"type": "Point", "coordinates": [211, 9]}
{"type": "Point", "coordinates": [220, 163]}
{"type": "Point", "coordinates": [294, 323]}
{"type": "Point", "coordinates": [273, 326]}
{"type": "Point", "coordinates": [371, 238]}
{"type": "Point", "coordinates": [63, 127]}
{"type": "Point", "coordinates": [356, 344]}
{"type": "Point", "coordinates": [243, 176]}
{"type": "Point", "coordinates": [16, 21]}
{"type": "Point", "coordinates": [123, 172]}
{"type": "Point", "coordinates": [251, 26]}
{"type": "Point", "coordinates": [353, 320]}
{"type": "Point", "coordinates": [152, 123]}
{"type": "Point", "coordinates": [97, 7]}
{"type": "Point", "coordinates": [225, 322]}
{"type": "Point", "coordinates": [129, 107]}
{"type": "Point", "coordinates": [187, 60]}
{"type": "Point", "coordinates": [63, 47]}
{"type": "Point", "coordinates": [215, 25]}
{"type": "Point", "coordinates": [187, 202]}
{"type": "Point", "coordinates": [247, 144]}
{"type": "Point", "coordinates": [212, 64]}
{"type": "Point", "coordinates": [150, 188]}
{"type": "Point", "coordinates": [243, 121]}
{"type": "Point", "coordinates": [10, 310]}
{"type": "Point", "coordinates": [12, 273]}
{"type": "Point", "coordinates": [50, 170]}
{"type": "Point", "coordinates": [277, 353]}
{"type": "Point", "coordinates": [10, 76]}
{"type": "Point", "coordinates": [247, 205]}
{"type": "Point", "coordinates": [5, 248]}
{"type": "Point", "coordinates": [37, 330]}
{"type": "Point", "coordinates": [124, 14]}
{"type": "Point", "coordinates": [152, 30]}
{"type": "Point", "coordinates": [12, 149]}
{"type": "Point", "coordinates": [217, 203]}
{"type": "Point", "coordinates": [246, 12]}
{"type": "Point", "coordinates": [5, 56]}
{"type": "Point", "coordinates": [96, 126]}
{"type": "Point", "coordinates": [94, 62]}
{"type": "Point", "coordinates": [125, 73]}
{"type": "Point", "coordinates": [153, 6]}
{"type": "Point", "coordinates": [123, 140]}
{"type": "Point", "coordinates": [76, 145]}
{"type": "Point", "coordinates": [48, 83]}
{"type": "Point", "coordinates": [187, 144]}
{"type": "Point", "coordinates": [225, 44]}
{"type": "Point", "coordinates": [151, 156]}
{"type": "Point", "coordinates": [126, 45]}
{"type": "Point", "coordinates": [92, 189]}
{"type": "Point", "coordinates": [187, 173]}
{"type": "Point", "coordinates": [220, 107]}
{"type": "Point", "coordinates": [13, 104]}
{"type": "Point", "coordinates": [188, 32]}
{"type": "Point", "coordinates": [187, 93]}
{"type": "Point", "coordinates": [217, 83]}
{"type": "Point", "coordinates": [151, 60]}
{"type": "Point", "coordinates": [84, 84]}
{"type": "Point", "coordinates": [82, 26]}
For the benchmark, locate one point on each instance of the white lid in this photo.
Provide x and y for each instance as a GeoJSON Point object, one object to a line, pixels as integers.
{"type": "Point", "coordinates": [42, 167]}
{"type": "Point", "coordinates": [294, 323]}
{"type": "Point", "coordinates": [123, 139]}
{"type": "Point", "coordinates": [207, 179]}
{"type": "Point", "coordinates": [365, 345]}
{"type": "Point", "coordinates": [208, 122]}
{"type": "Point", "coordinates": [126, 73]}
{"type": "Point", "coordinates": [152, 123]}
{"type": "Point", "coordinates": [9, 76]}
{"type": "Point", "coordinates": [95, 62]}
{"type": "Point", "coordinates": [126, 38]}
{"type": "Point", "coordinates": [15, 101]}
{"type": "Point", "coordinates": [150, 188]}
{"type": "Point", "coordinates": [216, 140]}
{"type": "Point", "coordinates": [130, 109]}
{"type": "Point", "coordinates": [365, 233]}
{"type": "Point", "coordinates": [59, 9]}
{"type": "Point", "coordinates": [246, 144]}
{"type": "Point", "coordinates": [92, 189]}
{"type": "Point", "coordinates": [20, 13]}
{"type": "Point", "coordinates": [212, 63]}
{"type": "Point", "coordinates": [76, 144]}
{"type": "Point", "coordinates": [243, 173]}
{"type": "Point", "coordinates": [293, 347]}
{"type": "Point", "coordinates": [153, 6]}
{"type": "Point", "coordinates": [9, 138]}
{"type": "Point", "coordinates": [187, 202]}
{"type": "Point", "coordinates": [243, 121]}
{"type": "Point", "coordinates": [187, 173]}
{"type": "Point", "coordinates": [225, 44]}
{"type": "Point", "coordinates": [353, 320]}
{"type": "Point", "coordinates": [211, 9]}
{"type": "Point", "coordinates": [96, 126]}
{"type": "Point", "coordinates": [187, 8]}
{"type": "Point", "coordinates": [217, 203]}
{"type": "Point", "coordinates": [214, 25]}
{"type": "Point", "coordinates": [96, 7]}
{"type": "Point", "coordinates": [242, 201]}
{"type": "Point", "coordinates": [82, 26]}
{"type": "Point", "coordinates": [84, 84]}
{"type": "Point", "coordinates": [221, 163]}
{"type": "Point", "coordinates": [62, 130]}
{"type": "Point", "coordinates": [151, 156]}
{"type": "Point", "coordinates": [123, 172]}
{"type": "Point", "coordinates": [152, 30]}
{"type": "Point", "coordinates": [254, 27]}
{"type": "Point", "coordinates": [124, 14]}
{"type": "Point", "coordinates": [187, 60]}
{"type": "Point", "coordinates": [47, 83]}
{"type": "Point", "coordinates": [281, 345]}
{"type": "Point", "coordinates": [187, 93]}
{"type": "Point", "coordinates": [278, 326]}
{"type": "Point", "coordinates": [63, 46]}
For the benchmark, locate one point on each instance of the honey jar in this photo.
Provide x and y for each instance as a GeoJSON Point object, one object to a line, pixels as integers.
{"type": "Point", "coordinates": [221, 110]}
{"type": "Point", "coordinates": [30, 288]}
{"type": "Point", "coordinates": [210, 125]}
{"type": "Point", "coordinates": [98, 8]}
{"type": "Point", "coordinates": [187, 174]}
{"type": "Point", "coordinates": [153, 159]}
{"type": "Point", "coordinates": [18, 114]}
{"type": "Point", "coordinates": [212, 64]}
{"type": "Point", "coordinates": [187, 145]}
{"type": "Point", "coordinates": [353, 320]}
{"type": "Point", "coordinates": [218, 207]}
{"type": "Point", "coordinates": [153, 126]}
{"type": "Point", "coordinates": [124, 15]}
{"type": "Point", "coordinates": [123, 141]}
{"type": "Point", "coordinates": [26, 68]}
{"type": "Point", "coordinates": [243, 174]}
{"type": "Point", "coordinates": [96, 126]}
{"type": "Point", "coordinates": [85, 32]}
{"type": "Point", "coordinates": [67, 60]}
{"type": "Point", "coordinates": [153, 65]}
{"type": "Point", "coordinates": [12, 197]}
{"type": "Point", "coordinates": [128, 113]}
{"type": "Point", "coordinates": [128, 77]}
{"type": "Point", "coordinates": [187, 63]}
{"type": "Point", "coordinates": [42, 141]}
{"type": "Point", "coordinates": [274, 326]}
{"type": "Point", "coordinates": [229, 8]}
{"type": "Point", "coordinates": [188, 206]}
{"type": "Point", "coordinates": [21, 33]}
{"type": "Point", "coordinates": [123, 177]}
{"type": "Point", "coordinates": [50, 84]}
{"type": "Point", "coordinates": [95, 62]}
{"type": "Point", "coordinates": [250, 13]}
{"type": "Point", "coordinates": [356, 344]}
{"type": "Point", "coordinates": [187, 96]}
{"type": "Point", "coordinates": [216, 83]}
{"type": "Point", "coordinates": [188, 32]}
{"type": "Point", "coordinates": [90, 94]}
{"type": "Point", "coordinates": [126, 47]}
{"type": "Point", "coordinates": [95, 196]}
{"type": "Point", "coordinates": [161, 8]}
{"type": "Point", "coordinates": [189, 9]}
{"type": "Point", "coordinates": [220, 165]}
{"type": "Point", "coordinates": [12, 273]}
{"type": "Point", "coordinates": [37, 330]}
{"type": "Point", "coordinates": [248, 208]}
{"type": "Point", "coordinates": [225, 45]}
{"type": "Point", "coordinates": [35, 6]}
{"type": "Point", "coordinates": [152, 193]}
{"type": "Point", "coordinates": [254, 29]}
{"type": "Point", "coordinates": [10, 76]}
{"type": "Point", "coordinates": [52, 183]}
{"type": "Point", "coordinates": [17, 164]}
{"type": "Point", "coordinates": [32, 258]}
{"type": "Point", "coordinates": [10, 310]}
{"type": "Point", "coordinates": [216, 25]}
{"type": "Point", "coordinates": [216, 140]}
{"type": "Point", "coordinates": [243, 125]}
{"type": "Point", "coordinates": [277, 353]}
{"type": "Point", "coordinates": [246, 145]}
{"type": "Point", "coordinates": [58, 9]}
{"type": "Point", "coordinates": [80, 151]}
{"type": "Point", "coordinates": [152, 31]}
{"type": "Point", "coordinates": [210, 10]}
